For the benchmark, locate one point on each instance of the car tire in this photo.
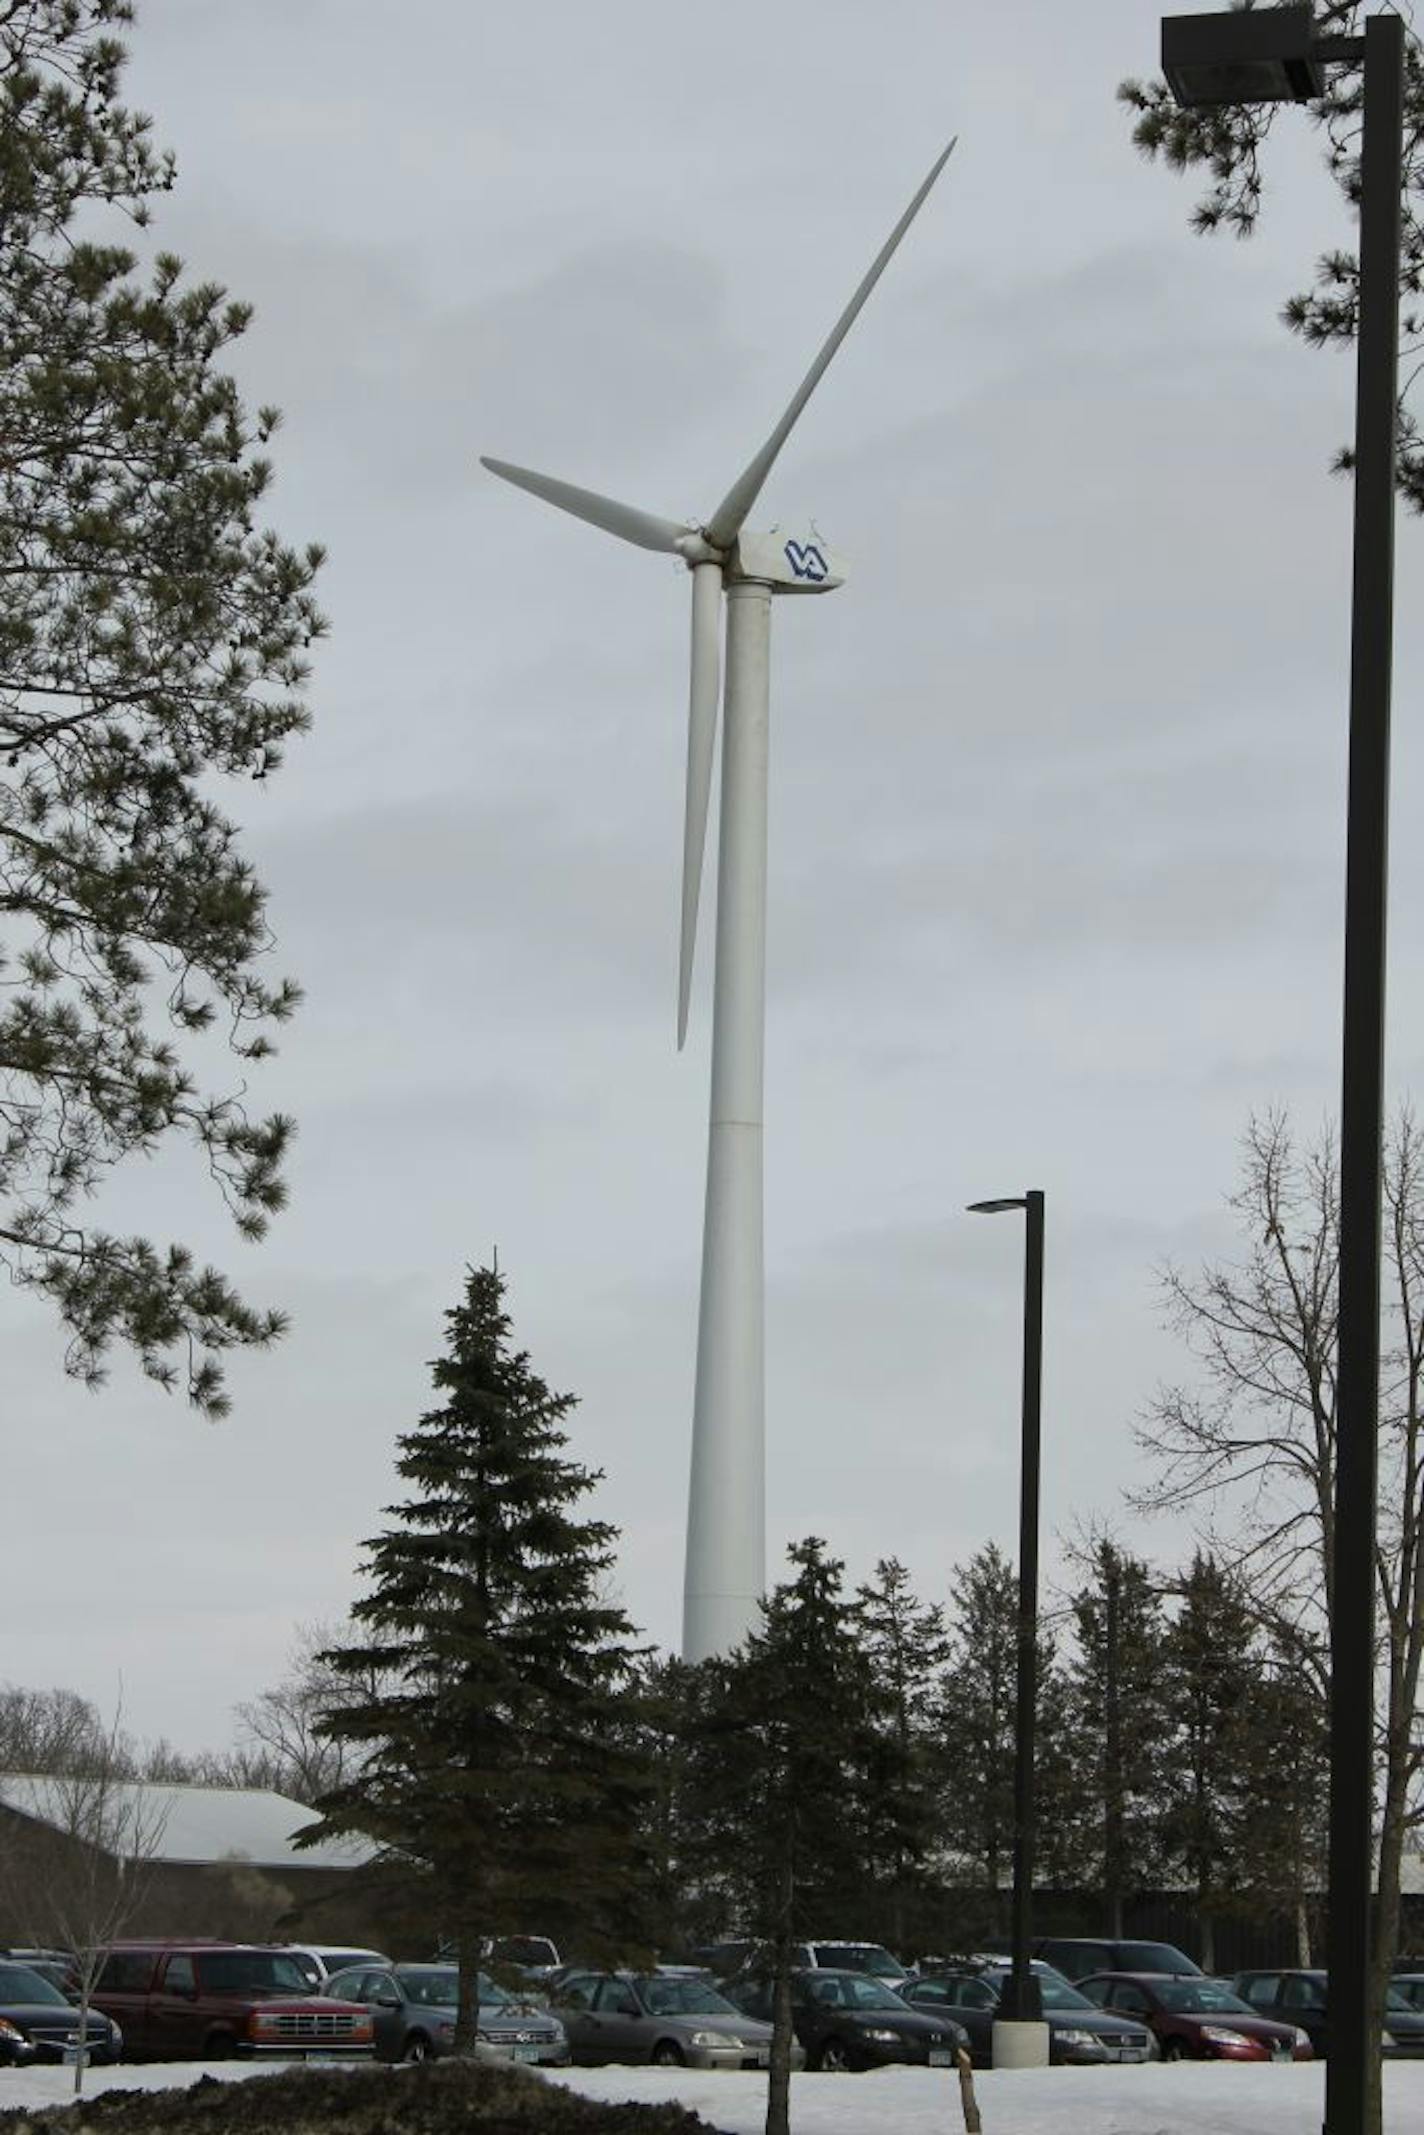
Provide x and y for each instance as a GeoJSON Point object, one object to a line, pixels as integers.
{"type": "Point", "coordinates": [668, 2054]}
{"type": "Point", "coordinates": [417, 2048]}
{"type": "Point", "coordinates": [1174, 2050]}
{"type": "Point", "coordinates": [219, 2046]}
{"type": "Point", "coordinates": [832, 2058]}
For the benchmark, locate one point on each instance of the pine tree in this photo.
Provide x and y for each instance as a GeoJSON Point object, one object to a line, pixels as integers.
{"type": "Point", "coordinates": [152, 641]}
{"type": "Point", "coordinates": [978, 1730]}
{"type": "Point", "coordinates": [906, 1646]}
{"type": "Point", "coordinates": [1286, 1782]}
{"type": "Point", "coordinates": [493, 1761]}
{"type": "Point", "coordinates": [780, 1761]}
{"type": "Point", "coordinates": [1117, 1725]}
{"type": "Point", "coordinates": [1211, 1681]}
{"type": "Point", "coordinates": [977, 1719]}
{"type": "Point", "coordinates": [1226, 141]}
{"type": "Point", "coordinates": [685, 1903]}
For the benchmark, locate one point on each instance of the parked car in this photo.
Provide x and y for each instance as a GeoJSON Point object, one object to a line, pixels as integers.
{"type": "Point", "coordinates": [848, 2020]}
{"type": "Point", "coordinates": [1301, 1996]}
{"type": "Point", "coordinates": [63, 1975]}
{"type": "Point", "coordinates": [412, 2009]}
{"type": "Point", "coordinates": [726, 1959]}
{"type": "Point", "coordinates": [673, 2020]}
{"type": "Point", "coordinates": [722, 1959]}
{"type": "Point", "coordinates": [195, 2001]}
{"type": "Point", "coordinates": [1198, 2019]}
{"type": "Point", "coordinates": [319, 1960]}
{"type": "Point", "coordinates": [16, 2051]}
{"type": "Point", "coordinates": [39, 2023]}
{"type": "Point", "coordinates": [1411, 1986]}
{"type": "Point", "coordinates": [1078, 2030]}
{"type": "Point", "coordinates": [1075, 1956]}
{"type": "Point", "coordinates": [532, 1956]}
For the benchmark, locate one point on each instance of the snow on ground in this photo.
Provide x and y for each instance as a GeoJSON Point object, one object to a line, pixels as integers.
{"type": "Point", "coordinates": [1180, 2099]}
{"type": "Point", "coordinates": [1198, 2098]}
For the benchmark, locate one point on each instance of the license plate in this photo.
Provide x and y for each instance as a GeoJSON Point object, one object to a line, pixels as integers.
{"type": "Point", "coordinates": [941, 2057]}
{"type": "Point", "coordinates": [1132, 2053]}
{"type": "Point", "coordinates": [526, 2053]}
{"type": "Point", "coordinates": [70, 2056]}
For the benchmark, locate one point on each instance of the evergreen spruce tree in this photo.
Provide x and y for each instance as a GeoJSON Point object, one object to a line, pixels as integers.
{"type": "Point", "coordinates": [906, 1646]}
{"type": "Point", "coordinates": [1211, 1680]}
{"type": "Point", "coordinates": [493, 1764]}
{"type": "Point", "coordinates": [1117, 1726]}
{"type": "Point", "coordinates": [685, 1903]}
{"type": "Point", "coordinates": [1286, 1783]}
{"type": "Point", "coordinates": [152, 642]}
{"type": "Point", "coordinates": [977, 1721]}
{"type": "Point", "coordinates": [976, 1724]}
{"type": "Point", "coordinates": [780, 1769]}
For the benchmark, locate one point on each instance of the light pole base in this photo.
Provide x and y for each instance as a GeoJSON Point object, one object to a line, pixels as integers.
{"type": "Point", "coordinates": [1020, 2045]}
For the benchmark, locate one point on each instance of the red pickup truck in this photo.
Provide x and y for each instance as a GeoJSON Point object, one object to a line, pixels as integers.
{"type": "Point", "coordinates": [205, 2001]}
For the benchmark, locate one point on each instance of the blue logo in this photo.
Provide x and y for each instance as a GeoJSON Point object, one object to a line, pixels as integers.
{"type": "Point", "coordinates": [807, 562]}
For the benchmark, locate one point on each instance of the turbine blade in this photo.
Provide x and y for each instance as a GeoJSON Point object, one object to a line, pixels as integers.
{"type": "Point", "coordinates": [727, 521]}
{"type": "Point", "coordinates": [645, 529]}
{"type": "Point", "coordinates": [701, 735]}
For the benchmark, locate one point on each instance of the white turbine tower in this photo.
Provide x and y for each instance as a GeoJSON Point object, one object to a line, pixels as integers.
{"type": "Point", "coordinates": [726, 1520]}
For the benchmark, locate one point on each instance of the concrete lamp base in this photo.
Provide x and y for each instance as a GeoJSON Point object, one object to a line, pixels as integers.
{"type": "Point", "coordinates": [1020, 2045]}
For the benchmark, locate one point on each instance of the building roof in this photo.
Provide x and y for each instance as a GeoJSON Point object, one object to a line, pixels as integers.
{"type": "Point", "coordinates": [186, 1825]}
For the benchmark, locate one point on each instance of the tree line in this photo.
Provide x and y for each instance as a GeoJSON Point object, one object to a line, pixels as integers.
{"type": "Point", "coordinates": [494, 1722]}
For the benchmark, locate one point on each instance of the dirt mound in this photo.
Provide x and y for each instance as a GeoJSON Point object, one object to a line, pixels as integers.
{"type": "Point", "coordinates": [442, 2098]}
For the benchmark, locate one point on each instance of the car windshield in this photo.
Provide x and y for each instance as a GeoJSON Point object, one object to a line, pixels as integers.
{"type": "Point", "coordinates": [850, 1990]}
{"type": "Point", "coordinates": [683, 1997]}
{"type": "Point", "coordinates": [1154, 1957]}
{"type": "Point", "coordinates": [1199, 1997]}
{"type": "Point", "coordinates": [19, 1984]}
{"type": "Point", "coordinates": [1394, 1999]}
{"type": "Point", "coordinates": [250, 1972]}
{"type": "Point", "coordinates": [525, 1949]}
{"type": "Point", "coordinates": [438, 1987]}
{"type": "Point", "coordinates": [1057, 1994]}
{"type": "Point", "coordinates": [861, 1957]}
{"type": "Point", "coordinates": [433, 1990]}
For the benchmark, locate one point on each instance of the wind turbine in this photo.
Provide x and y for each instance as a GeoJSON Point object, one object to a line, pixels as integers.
{"type": "Point", "coordinates": [726, 1519]}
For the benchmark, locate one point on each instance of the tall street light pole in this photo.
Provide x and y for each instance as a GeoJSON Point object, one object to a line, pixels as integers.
{"type": "Point", "coordinates": [1264, 56]}
{"type": "Point", "coordinates": [1025, 2035]}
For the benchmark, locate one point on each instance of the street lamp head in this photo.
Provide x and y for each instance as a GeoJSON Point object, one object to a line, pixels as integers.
{"type": "Point", "coordinates": [994, 1208]}
{"type": "Point", "coordinates": [1254, 56]}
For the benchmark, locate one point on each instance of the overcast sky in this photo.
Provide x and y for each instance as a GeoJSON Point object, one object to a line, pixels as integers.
{"type": "Point", "coordinates": [1057, 778]}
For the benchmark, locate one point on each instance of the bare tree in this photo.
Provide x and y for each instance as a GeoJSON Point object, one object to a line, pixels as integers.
{"type": "Point", "coordinates": [47, 1730]}
{"type": "Point", "coordinates": [1260, 1434]}
{"type": "Point", "coordinates": [281, 1729]}
{"type": "Point", "coordinates": [96, 1835]}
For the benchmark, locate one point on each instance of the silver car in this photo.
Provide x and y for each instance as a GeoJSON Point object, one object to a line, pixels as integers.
{"type": "Point", "coordinates": [671, 2021]}
{"type": "Point", "coordinates": [413, 2012]}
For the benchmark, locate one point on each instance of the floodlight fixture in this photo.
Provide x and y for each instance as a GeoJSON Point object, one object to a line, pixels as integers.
{"type": "Point", "coordinates": [1262, 55]}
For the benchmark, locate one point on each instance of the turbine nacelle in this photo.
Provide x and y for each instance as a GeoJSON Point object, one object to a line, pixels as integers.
{"type": "Point", "coordinates": [794, 562]}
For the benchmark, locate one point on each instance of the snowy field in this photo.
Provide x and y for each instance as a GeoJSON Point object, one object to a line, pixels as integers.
{"type": "Point", "coordinates": [1204, 2099]}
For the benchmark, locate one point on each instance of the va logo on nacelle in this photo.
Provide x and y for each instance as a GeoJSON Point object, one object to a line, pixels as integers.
{"type": "Point", "coordinates": [807, 562]}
